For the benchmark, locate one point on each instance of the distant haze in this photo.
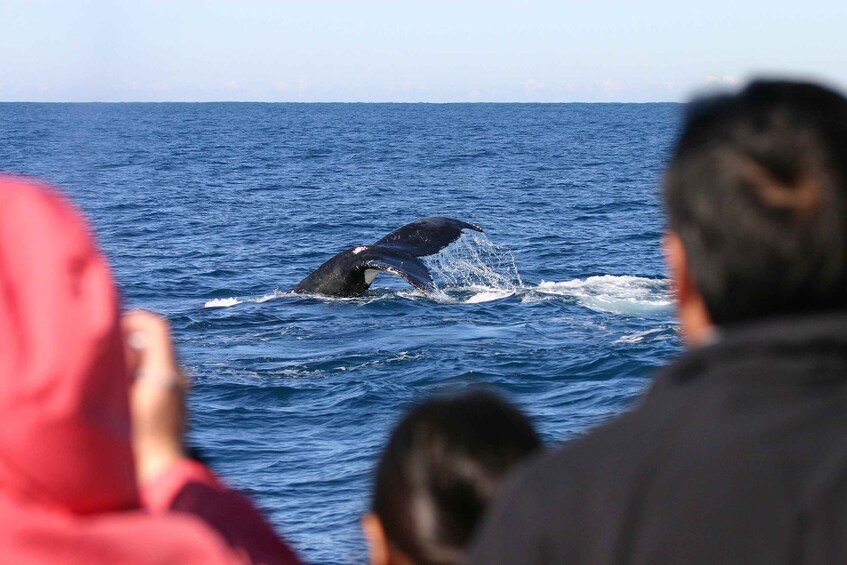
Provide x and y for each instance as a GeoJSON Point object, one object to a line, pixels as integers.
{"type": "Point", "coordinates": [409, 51]}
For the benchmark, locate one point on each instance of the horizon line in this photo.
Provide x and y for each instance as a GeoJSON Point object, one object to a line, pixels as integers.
{"type": "Point", "coordinates": [332, 102]}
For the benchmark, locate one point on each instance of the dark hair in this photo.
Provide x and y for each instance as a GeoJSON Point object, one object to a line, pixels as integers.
{"type": "Point", "coordinates": [756, 191]}
{"type": "Point", "coordinates": [443, 465]}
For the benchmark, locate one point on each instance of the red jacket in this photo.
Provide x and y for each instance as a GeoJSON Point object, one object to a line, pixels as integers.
{"type": "Point", "coordinates": [68, 490]}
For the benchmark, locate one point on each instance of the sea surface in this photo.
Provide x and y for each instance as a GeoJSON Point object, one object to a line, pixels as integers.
{"type": "Point", "coordinates": [211, 212]}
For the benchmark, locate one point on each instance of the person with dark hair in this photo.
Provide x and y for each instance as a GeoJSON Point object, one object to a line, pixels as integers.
{"type": "Point", "coordinates": [738, 452]}
{"type": "Point", "coordinates": [442, 467]}
{"type": "Point", "coordinates": [93, 468]}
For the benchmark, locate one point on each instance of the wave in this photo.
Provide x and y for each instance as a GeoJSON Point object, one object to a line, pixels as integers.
{"type": "Point", "coordinates": [460, 295]}
{"type": "Point", "coordinates": [489, 296]}
{"type": "Point", "coordinates": [664, 332]}
{"type": "Point", "coordinates": [223, 302]}
{"type": "Point", "coordinates": [626, 294]}
{"type": "Point", "coordinates": [235, 301]}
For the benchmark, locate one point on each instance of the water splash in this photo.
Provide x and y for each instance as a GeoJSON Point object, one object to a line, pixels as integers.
{"type": "Point", "coordinates": [477, 263]}
{"type": "Point", "coordinates": [626, 294]}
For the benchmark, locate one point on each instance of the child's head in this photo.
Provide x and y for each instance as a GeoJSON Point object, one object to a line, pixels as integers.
{"type": "Point", "coordinates": [443, 465]}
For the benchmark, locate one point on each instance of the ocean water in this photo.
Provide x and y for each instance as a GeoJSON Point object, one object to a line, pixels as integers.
{"type": "Point", "coordinates": [211, 212]}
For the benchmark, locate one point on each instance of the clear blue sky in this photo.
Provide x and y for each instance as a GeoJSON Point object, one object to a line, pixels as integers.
{"type": "Point", "coordinates": [436, 51]}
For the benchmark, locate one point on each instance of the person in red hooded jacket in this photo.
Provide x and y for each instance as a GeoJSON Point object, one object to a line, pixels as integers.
{"type": "Point", "coordinates": [92, 463]}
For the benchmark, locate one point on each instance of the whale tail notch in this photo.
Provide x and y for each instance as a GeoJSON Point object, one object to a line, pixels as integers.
{"type": "Point", "coordinates": [351, 272]}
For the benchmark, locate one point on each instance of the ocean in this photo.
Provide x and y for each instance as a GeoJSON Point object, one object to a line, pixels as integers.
{"type": "Point", "coordinates": [209, 213]}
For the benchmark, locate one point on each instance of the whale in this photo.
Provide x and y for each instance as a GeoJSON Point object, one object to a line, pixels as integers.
{"type": "Point", "coordinates": [351, 272]}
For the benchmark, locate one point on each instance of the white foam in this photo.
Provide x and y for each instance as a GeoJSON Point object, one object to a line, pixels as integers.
{"type": "Point", "coordinates": [489, 296]}
{"type": "Point", "coordinates": [617, 294]}
{"type": "Point", "coordinates": [436, 295]}
{"type": "Point", "coordinates": [265, 298]}
{"type": "Point", "coordinates": [626, 295]}
{"type": "Point", "coordinates": [222, 302]}
{"type": "Point", "coordinates": [235, 301]}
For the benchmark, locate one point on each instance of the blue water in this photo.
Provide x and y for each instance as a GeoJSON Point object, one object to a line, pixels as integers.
{"type": "Point", "coordinates": [210, 212]}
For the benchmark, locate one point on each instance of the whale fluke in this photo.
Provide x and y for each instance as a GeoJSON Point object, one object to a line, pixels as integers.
{"type": "Point", "coordinates": [351, 272]}
{"type": "Point", "coordinates": [427, 236]}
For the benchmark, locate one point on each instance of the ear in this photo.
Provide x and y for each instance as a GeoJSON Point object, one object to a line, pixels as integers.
{"type": "Point", "coordinates": [377, 542]}
{"type": "Point", "coordinates": [677, 262]}
{"type": "Point", "coordinates": [691, 308]}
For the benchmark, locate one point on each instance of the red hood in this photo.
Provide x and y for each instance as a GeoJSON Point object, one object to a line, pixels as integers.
{"type": "Point", "coordinates": [65, 439]}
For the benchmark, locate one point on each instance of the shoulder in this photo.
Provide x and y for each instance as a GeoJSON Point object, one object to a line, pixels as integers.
{"type": "Point", "coordinates": [555, 503]}
{"type": "Point", "coordinates": [563, 475]}
{"type": "Point", "coordinates": [552, 506]}
{"type": "Point", "coordinates": [35, 534]}
{"type": "Point", "coordinates": [165, 538]}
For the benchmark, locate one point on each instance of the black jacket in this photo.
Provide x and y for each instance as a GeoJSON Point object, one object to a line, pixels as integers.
{"type": "Point", "coordinates": [737, 454]}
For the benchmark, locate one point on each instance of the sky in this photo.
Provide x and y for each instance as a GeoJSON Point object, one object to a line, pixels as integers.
{"type": "Point", "coordinates": [410, 51]}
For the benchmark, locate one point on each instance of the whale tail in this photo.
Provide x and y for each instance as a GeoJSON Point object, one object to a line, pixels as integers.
{"type": "Point", "coordinates": [351, 272]}
{"type": "Point", "coordinates": [427, 236]}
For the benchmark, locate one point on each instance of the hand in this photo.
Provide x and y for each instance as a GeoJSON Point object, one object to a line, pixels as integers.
{"type": "Point", "coordinates": [157, 397]}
